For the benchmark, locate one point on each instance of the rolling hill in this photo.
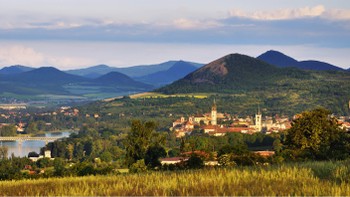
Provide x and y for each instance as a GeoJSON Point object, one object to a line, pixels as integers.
{"type": "Point", "coordinates": [116, 78]}
{"type": "Point", "coordinates": [47, 75]}
{"type": "Point", "coordinates": [177, 71]}
{"type": "Point", "coordinates": [281, 60]}
{"type": "Point", "coordinates": [248, 82]}
{"type": "Point", "coordinates": [93, 72]}
{"type": "Point", "coordinates": [16, 69]}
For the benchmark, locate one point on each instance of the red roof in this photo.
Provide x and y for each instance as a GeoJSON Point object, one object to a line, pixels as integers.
{"type": "Point", "coordinates": [265, 153]}
{"type": "Point", "coordinates": [173, 159]}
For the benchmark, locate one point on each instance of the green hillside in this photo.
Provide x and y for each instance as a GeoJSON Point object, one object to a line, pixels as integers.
{"type": "Point", "coordinates": [248, 81]}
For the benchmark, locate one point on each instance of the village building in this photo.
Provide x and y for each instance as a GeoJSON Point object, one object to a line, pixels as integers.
{"type": "Point", "coordinates": [209, 123]}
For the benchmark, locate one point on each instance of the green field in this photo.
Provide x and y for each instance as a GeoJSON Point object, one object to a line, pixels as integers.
{"type": "Point", "coordinates": [313, 178]}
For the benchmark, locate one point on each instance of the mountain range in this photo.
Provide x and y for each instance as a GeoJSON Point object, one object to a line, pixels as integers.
{"type": "Point", "coordinates": [272, 79]}
{"type": "Point", "coordinates": [133, 71]}
{"type": "Point", "coordinates": [49, 80]}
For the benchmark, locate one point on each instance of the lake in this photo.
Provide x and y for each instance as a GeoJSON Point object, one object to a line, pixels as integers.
{"type": "Point", "coordinates": [29, 146]}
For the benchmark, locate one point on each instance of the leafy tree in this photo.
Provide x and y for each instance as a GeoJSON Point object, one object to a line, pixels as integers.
{"type": "Point", "coordinates": [138, 140]}
{"type": "Point", "coordinates": [277, 145]}
{"type": "Point", "coordinates": [59, 166]}
{"type": "Point", "coordinates": [32, 128]}
{"type": "Point", "coordinates": [138, 166]}
{"type": "Point", "coordinates": [195, 162]}
{"type": "Point", "coordinates": [315, 135]}
{"type": "Point", "coordinates": [44, 162]}
{"type": "Point", "coordinates": [70, 150]}
{"type": "Point", "coordinates": [8, 130]}
{"type": "Point", "coordinates": [238, 149]}
{"type": "Point", "coordinates": [4, 152]}
{"type": "Point", "coordinates": [153, 154]}
{"type": "Point", "coordinates": [106, 156]}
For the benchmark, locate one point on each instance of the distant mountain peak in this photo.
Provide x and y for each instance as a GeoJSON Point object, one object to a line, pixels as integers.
{"type": "Point", "coordinates": [278, 59]}
{"type": "Point", "coordinates": [15, 69]}
{"type": "Point", "coordinates": [281, 60]}
{"type": "Point", "coordinates": [103, 66]}
{"type": "Point", "coordinates": [117, 78]}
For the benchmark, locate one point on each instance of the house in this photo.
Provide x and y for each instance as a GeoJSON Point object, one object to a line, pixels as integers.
{"type": "Point", "coordinates": [172, 160]}
{"type": "Point", "coordinates": [265, 153]}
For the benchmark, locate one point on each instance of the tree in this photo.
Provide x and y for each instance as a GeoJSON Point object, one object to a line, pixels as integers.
{"type": "Point", "coordinates": [195, 162]}
{"type": "Point", "coordinates": [106, 156]}
{"type": "Point", "coordinates": [138, 140]}
{"type": "Point", "coordinates": [238, 149]}
{"type": "Point", "coordinates": [70, 150]}
{"type": "Point", "coordinates": [4, 152]}
{"type": "Point", "coordinates": [8, 130]}
{"type": "Point", "coordinates": [138, 166]}
{"type": "Point", "coordinates": [315, 135]}
{"type": "Point", "coordinates": [32, 128]}
{"type": "Point", "coordinates": [59, 166]}
{"type": "Point", "coordinates": [44, 162]}
{"type": "Point", "coordinates": [153, 154]}
{"type": "Point", "coordinates": [277, 145]}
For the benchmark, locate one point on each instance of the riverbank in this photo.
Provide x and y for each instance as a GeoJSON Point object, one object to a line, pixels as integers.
{"type": "Point", "coordinates": [22, 149]}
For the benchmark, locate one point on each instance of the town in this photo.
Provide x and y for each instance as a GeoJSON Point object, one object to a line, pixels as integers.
{"type": "Point", "coordinates": [218, 124]}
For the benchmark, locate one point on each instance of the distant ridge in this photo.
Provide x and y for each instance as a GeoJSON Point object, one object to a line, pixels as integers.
{"type": "Point", "coordinates": [92, 72]}
{"type": "Point", "coordinates": [133, 71]}
{"type": "Point", "coordinates": [48, 75]}
{"type": "Point", "coordinates": [15, 69]}
{"type": "Point", "coordinates": [177, 71]}
{"type": "Point", "coordinates": [116, 78]}
{"type": "Point", "coordinates": [281, 60]}
{"type": "Point", "coordinates": [49, 80]}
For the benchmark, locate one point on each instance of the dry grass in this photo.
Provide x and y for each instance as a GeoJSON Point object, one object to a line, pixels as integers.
{"type": "Point", "coordinates": [286, 180]}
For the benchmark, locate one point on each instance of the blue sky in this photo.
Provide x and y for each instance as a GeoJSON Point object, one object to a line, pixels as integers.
{"type": "Point", "coordinates": [81, 33]}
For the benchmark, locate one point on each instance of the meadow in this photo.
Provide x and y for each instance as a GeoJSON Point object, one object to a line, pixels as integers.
{"type": "Point", "coordinates": [310, 178]}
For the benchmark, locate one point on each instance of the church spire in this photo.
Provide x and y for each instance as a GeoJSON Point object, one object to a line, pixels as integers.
{"type": "Point", "coordinates": [214, 105]}
{"type": "Point", "coordinates": [213, 114]}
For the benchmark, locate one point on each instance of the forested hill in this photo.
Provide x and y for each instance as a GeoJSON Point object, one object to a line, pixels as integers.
{"type": "Point", "coordinates": [234, 73]}
{"type": "Point", "coordinates": [270, 86]}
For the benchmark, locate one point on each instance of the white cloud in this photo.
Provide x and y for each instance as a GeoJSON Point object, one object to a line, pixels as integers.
{"type": "Point", "coordinates": [20, 55]}
{"type": "Point", "coordinates": [280, 14]}
{"type": "Point", "coordinates": [183, 23]}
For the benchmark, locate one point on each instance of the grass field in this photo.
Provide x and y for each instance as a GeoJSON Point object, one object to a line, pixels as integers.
{"type": "Point", "coordinates": [315, 178]}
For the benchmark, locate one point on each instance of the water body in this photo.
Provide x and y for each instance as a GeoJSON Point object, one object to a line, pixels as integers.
{"type": "Point", "coordinates": [25, 147]}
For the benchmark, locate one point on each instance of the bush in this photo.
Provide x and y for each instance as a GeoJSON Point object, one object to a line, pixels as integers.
{"type": "Point", "coordinates": [138, 166]}
{"type": "Point", "coordinates": [195, 162]}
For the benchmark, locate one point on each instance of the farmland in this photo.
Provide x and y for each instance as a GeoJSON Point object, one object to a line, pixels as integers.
{"type": "Point", "coordinates": [309, 178]}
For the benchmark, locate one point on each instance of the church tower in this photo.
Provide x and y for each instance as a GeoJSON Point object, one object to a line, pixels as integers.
{"type": "Point", "coordinates": [213, 114]}
{"type": "Point", "coordinates": [258, 121]}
